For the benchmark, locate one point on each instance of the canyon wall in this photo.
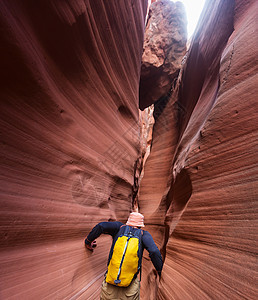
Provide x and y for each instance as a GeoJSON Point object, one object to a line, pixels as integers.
{"type": "Point", "coordinates": [71, 149]}
{"type": "Point", "coordinates": [199, 190]}
{"type": "Point", "coordinates": [70, 75]}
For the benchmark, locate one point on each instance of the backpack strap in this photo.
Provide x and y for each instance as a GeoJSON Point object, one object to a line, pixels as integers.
{"type": "Point", "coordinates": [128, 235]}
{"type": "Point", "coordinates": [140, 234]}
{"type": "Point", "coordinates": [127, 228]}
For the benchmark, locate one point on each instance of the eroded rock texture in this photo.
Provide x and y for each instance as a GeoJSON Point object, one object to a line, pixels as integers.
{"type": "Point", "coordinates": [199, 191]}
{"type": "Point", "coordinates": [69, 139]}
{"type": "Point", "coordinates": [70, 150]}
{"type": "Point", "coordinates": [164, 48]}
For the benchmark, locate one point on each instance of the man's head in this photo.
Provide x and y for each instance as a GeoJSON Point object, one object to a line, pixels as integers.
{"type": "Point", "coordinates": [135, 219]}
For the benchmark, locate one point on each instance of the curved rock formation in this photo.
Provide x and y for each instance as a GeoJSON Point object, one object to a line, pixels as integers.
{"type": "Point", "coordinates": [69, 139]}
{"type": "Point", "coordinates": [199, 192]}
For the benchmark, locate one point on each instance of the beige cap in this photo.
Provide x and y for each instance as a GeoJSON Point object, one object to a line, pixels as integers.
{"type": "Point", "coordinates": [135, 219]}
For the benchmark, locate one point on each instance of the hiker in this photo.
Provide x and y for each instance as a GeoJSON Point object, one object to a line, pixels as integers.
{"type": "Point", "coordinates": [125, 257]}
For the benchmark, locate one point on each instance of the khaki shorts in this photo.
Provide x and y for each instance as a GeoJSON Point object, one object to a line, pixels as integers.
{"type": "Point", "coordinates": [112, 292]}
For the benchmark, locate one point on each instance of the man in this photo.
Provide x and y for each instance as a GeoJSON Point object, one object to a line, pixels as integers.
{"type": "Point", "coordinates": [135, 222]}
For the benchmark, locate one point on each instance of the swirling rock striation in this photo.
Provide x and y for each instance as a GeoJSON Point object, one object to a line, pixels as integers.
{"type": "Point", "coordinates": [69, 139]}
{"type": "Point", "coordinates": [199, 190]}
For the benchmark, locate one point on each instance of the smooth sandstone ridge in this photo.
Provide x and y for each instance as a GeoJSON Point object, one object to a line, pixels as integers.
{"type": "Point", "coordinates": [199, 190]}
{"type": "Point", "coordinates": [70, 75]}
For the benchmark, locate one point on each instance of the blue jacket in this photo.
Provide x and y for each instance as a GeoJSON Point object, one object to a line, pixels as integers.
{"type": "Point", "coordinates": [112, 229]}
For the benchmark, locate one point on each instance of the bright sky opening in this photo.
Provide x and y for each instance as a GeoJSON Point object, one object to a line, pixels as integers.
{"type": "Point", "coordinates": [193, 11]}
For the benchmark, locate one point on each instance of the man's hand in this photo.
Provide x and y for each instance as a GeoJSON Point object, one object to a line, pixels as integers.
{"type": "Point", "coordinates": [91, 246]}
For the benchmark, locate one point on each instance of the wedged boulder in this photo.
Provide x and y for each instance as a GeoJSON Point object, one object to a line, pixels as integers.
{"type": "Point", "coordinates": [163, 50]}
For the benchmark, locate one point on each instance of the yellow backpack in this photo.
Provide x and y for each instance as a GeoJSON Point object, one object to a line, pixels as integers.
{"type": "Point", "coordinates": [126, 256]}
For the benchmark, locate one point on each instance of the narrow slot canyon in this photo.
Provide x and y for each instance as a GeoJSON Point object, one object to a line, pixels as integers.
{"type": "Point", "coordinates": [106, 108]}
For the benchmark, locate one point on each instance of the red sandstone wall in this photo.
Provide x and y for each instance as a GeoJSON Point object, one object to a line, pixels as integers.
{"type": "Point", "coordinates": [69, 139]}
{"type": "Point", "coordinates": [69, 126]}
{"type": "Point", "coordinates": [199, 190]}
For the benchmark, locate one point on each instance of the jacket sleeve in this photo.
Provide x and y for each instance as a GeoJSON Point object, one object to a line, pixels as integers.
{"type": "Point", "coordinates": [110, 228]}
{"type": "Point", "coordinates": [153, 250]}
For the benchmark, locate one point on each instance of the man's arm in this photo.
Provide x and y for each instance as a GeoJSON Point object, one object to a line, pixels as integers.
{"type": "Point", "coordinates": [153, 250]}
{"type": "Point", "coordinates": [103, 227]}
